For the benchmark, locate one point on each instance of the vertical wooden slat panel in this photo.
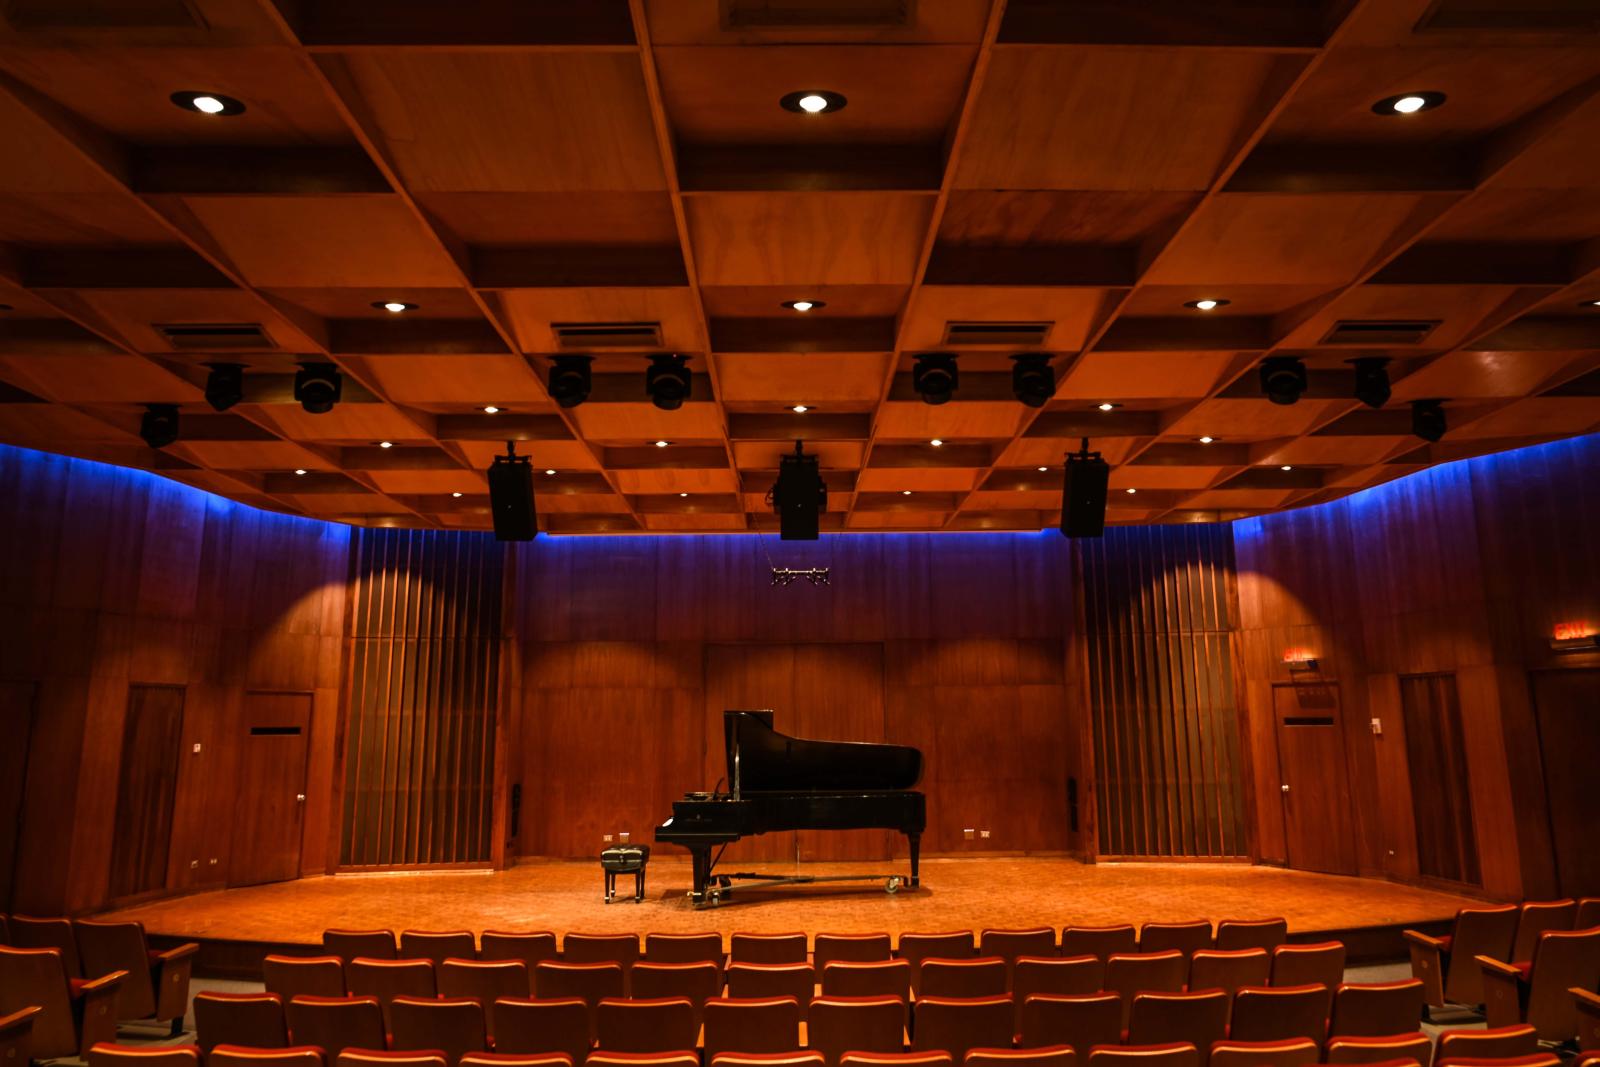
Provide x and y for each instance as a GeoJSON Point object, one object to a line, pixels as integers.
{"type": "Point", "coordinates": [424, 684]}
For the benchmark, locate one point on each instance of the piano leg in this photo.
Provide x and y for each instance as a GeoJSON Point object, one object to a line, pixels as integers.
{"type": "Point", "coordinates": [700, 856]}
{"type": "Point", "coordinates": [916, 849]}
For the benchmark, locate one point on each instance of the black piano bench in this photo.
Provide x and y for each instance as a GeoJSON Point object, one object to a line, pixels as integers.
{"type": "Point", "coordinates": [625, 859]}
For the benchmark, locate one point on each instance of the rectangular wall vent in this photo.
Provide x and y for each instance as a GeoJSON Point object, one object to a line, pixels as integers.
{"type": "Point", "coordinates": [814, 14]}
{"type": "Point", "coordinates": [1008, 334]}
{"type": "Point", "coordinates": [580, 335]}
{"type": "Point", "coordinates": [1380, 332]}
{"type": "Point", "coordinates": [214, 335]}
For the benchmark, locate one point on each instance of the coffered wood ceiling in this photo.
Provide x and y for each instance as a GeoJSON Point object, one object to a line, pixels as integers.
{"type": "Point", "coordinates": [1089, 165]}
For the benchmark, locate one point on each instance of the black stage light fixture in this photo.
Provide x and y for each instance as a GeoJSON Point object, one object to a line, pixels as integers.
{"type": "Point", "coordinates": [318, 387]}
{"type": "Point", "coordinates": [225, 385]}
{"type": "Point", "coordinates": [1032, 380]}
{"type": "Point", "coordinates": [1428, 420]}
{"type": "Point", "coordinates": [1372, 380]}
{"type": "Point", "coordinates": [159, 425]}
{"type": "Point", "coordinates": [1083, 493]}
{"type": "Point", "coordinates": [511, 497]}
{"type": "Point", "coordinates": [799, 496]}
{"type": "Point", "coordinates": [1283, 379]}
{"type": "Point", "coordinates": [570, 380]}
{"type": "Point", "coordinates": [668, 381]}
{"type": "Point", "coordinates": [935, 377]}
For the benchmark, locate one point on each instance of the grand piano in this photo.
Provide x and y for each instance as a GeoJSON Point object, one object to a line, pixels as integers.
{"type": "Point", "coordinates": [790, 783]}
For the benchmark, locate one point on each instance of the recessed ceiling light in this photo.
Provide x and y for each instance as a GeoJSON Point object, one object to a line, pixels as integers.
{"type": "Point", "coordinates": [812, 101]}
{"type": "Point", "coordinates": [490, 409]}
{"type": "Point", "coordinates": [393, 307]}
{"type": "Point", "coordinates": [299, 470]}
{"type": "Point", "coordinates": [937, 443]}
{"type": "Point", "coordinates": [455, 494]}
{"type": "Point", "coordinates": [385, 444]}
{"type": "Point", "coordinates": [905, 492]}
{"type": "Point", "coordinates": [208, 103]}
{"type": "Point", "coordinates": [683, 494]}
{"type": "Point", "coordinates": [1408, 103]}
{"type": "Point", "coordinates": [1207, 440]}
{"type": "Point", "coordinates": [805, 305]}
{"type": "Point", "coordinates": [1130, 491]}
{"type": "Point", "coordinates": [550, 472]}
{"type": "Point", "coordinates": [1583, 303]}
{"type": "Point", "coordinates": [1043, 469]}
{"type": "Point", "coordinates": [1208, 304]}
{"type": "Point", "coordinates": [1286, 467]}
{"type": "Point", "coordinates": [800, 409]}
{"type": "Point", "coordinates": [1108, 406]}
{"type": "Point", "coordinates": [662, 444]}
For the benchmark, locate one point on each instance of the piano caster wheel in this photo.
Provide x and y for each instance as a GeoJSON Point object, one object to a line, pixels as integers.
{"type": "Point", "coordinates": [714, 896]}
{"type": "Point", "coordinates": [892, 886]}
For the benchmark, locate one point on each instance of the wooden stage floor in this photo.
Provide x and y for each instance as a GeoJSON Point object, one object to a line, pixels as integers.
{"type": "Point", "coordinates": [956, 893]}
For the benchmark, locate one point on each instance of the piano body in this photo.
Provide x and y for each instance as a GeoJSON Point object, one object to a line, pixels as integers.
{"type": "Point", "coordinates": [790, 783]}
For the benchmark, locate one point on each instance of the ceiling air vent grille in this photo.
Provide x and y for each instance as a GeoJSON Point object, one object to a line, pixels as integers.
{"type": "Point", "coordinates": [581, 335]}
{"type": "Point", "coordinates": [814, 14]}
{"type": "Point", "coordinates": [210, 336]}
{"type": "Point", "coordinates": [1380, 332]}
{"type": "Point", "coordinates": [1004, 334]}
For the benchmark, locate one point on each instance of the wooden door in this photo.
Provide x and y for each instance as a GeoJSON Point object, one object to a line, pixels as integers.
{"type": "Point", "coordinates": [1568, 707]}
{"type": "Point", "coordinates": [269, 809]}
{"type": "Point", "coordinates": [146, 788]}
{"type": "Point", "coordinates": [1314, 785]}
{"type": "Point", "coordinates": [16, 715]}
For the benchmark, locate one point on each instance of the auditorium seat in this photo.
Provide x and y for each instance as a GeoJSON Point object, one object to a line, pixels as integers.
{"type": "Point", "coordinates": [1447, 966]}
{"type": "Point", "coordinates": [1234, 935]}
{"type": "Point", "coordinates": [1280, 1012]}
{"type": "Point", "coordinates": [387, 979]}
{"type": "Point", "coordinates": [75, 1015]}
{"type": "Point", "coordinates": [1058, 1056]}
{"type": "Point", "coordinates": [1536, 992]}
{"type": "Point", "coordinates": [532, 947]}
{"type": "Point", "coordinates": [758, 981]}
{"type": "Point", "coordinates": [1295, 1052]}
{"type": "Point", "coordinates": [1102, 942]}
{"type": "Point", "coordinates": [666, 1024]}
{"type": "Point", "coordinates": [1537, 1059]}
{"type": "Point", "coordinates": [1053, 976]}
{"type": "Point", "coordinates": [957, 1024]}
{"type": "Point", "coordinates": [767, 948]}
{"type": "Point", "coordinates": [770, 1025]}
{"type": "Point", "coordinates": [336, 1023]}
{"type": "Point", "coordinates": [896, 1059]}
{"type": "Point", "coordinates": [1494, 1043]}
{"type": "Point", "coordinates": [684, 948]}
{"type": "Point", "coordinates": [438, 946]}
{"type": "Point", "coordinates": [16, 1036]}
{"type": "Point", "coordinates": [5, 930]}
{"type": "Point", "coordinates": [1536, 917]}
{"type": "Point", "coordinates": [1138, 972]}
{"type": "Point", "coordinates": [30, 932]}
{"type": "Point", "coordinates": [1414, 1045]}
{"type": "Point", "coordinates": [837, 1025]}
{"type": "Point", "coordinates": [916, 947]}
{"type": "Point", "coordinates": [484, 981]}
{"type": "Point", "coordinates": [297, 976]}
{"type": "Point", "coordinates": [1588, 1008]}
{"type": "Point", "coordinates": [697, 982]}
{"type": "Point", "coordinates": [589, 982]}
{"type": "Point", "coordinates": [1009, 945]}
{"type": "Point", "coordinates": [686, 1058]}
{"type": "Point", "coordinates": [1187, 938]}
{"type": "Point", "coordinates": [516, 1059]}
{"type": "Point", "coordinates": [1163, 1018]}
{"type": "Point", "coordinates": [243, 1056]}
{"type": "Point", "coordinates": [1174, 1055]}
{"type": "Point", "coordinates": [1079, 1021]}
{"type": "Point", "coordinates": [157, 986]}
{"type": "Point", "coordinates": [883, 978]}
{"type": "Point", "coordinates": [1588, 913]}
{"type": "Point", "coordinates": [853, 948]}
{"type": "Point", "coordinates": [1372, 1009]}
{"type": "Point", "coordinates": [256, 1020]}
{"type": "Point", "coordinates": [368, 1057]}
{"type": "Point", "coordinates": [370, 944]}
{"type": "Point", "coordinates": [978, 977]}
{"type": "Point", "coordinates": [110, 1054]}
{"type": "Point", "coordinates": [1321, 962]}
{"type": "Point", "coordinates": [799, 1058]}
{"type": "Point", "coordinates": [621, 949]}
{"type": "Point", "coordinates": [455, 1026]}
{"type": "Point", "coordinates": [1229, 970]}
{"type": "Point", "coordinates": [537, 1027]}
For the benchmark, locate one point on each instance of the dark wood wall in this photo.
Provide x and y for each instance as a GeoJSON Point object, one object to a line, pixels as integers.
{"type": "Point", "coordinates": [1159, 610]}
{"type": "Point", "coordinates": [632, 647]}
{"type": "Point", "coordinates": [1465, 570]}
{"type": "Point", "coordinates": [424, 681]}
{"type": "Point", "coordinates": [111, 579]}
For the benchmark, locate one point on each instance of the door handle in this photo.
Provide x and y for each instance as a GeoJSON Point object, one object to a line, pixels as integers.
{"type": "Point", "coordinates": [1282, 787]}
{"type": "Point", "coordinates": [300, 798]}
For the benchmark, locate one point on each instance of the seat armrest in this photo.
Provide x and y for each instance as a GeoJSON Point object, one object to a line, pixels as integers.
{"type": "Point", "coordinates": [105, 981]}
{"type": "Point", "coordinates": [21, 1019]}
{"type": "Point", "coordinates": [98, 1021]}
{"type": "Point", "coordinates": [1417, 937]}
{"type": "Point", "coordinates": [180, 952]}
{"type": "Point", "coordinates": [1586, 1001]}
{"type": "Point", "coordinates": [1491, 965]}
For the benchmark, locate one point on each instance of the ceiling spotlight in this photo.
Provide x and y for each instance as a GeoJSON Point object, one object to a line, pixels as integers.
{"type": "Point", "coordinates": [800, 409]}
{"type": "Point", "coordinates": [490, 409]}
{"type": "Point", "coordinates": [937, 442]}
{"type": "Point", "coordinates": [208, 103]}
{"type": "Point", "coordinates": [1408, 103]}
{"type": "Point", "coordinates": [1428, 419]}
{"type": "Point", "coordinates": [318, 387]}
{"type": "Point", "coordinates": [1206, 305]}
{"type": "Point", "coordinates": [225, 385]}
{"type": "Point", "coordinates": [385, 444]}
{"type": "Point", "coordinates": [299, 470]}
{"type": "Point", "coordinates": [551, 472]}
{"type": "Point", "coordinates": [804, 305]}
{"type": "Point", "coordinates": [570, 379]}
{"type": "Point", "coordinates": [662, 444]}
{"type": "Point", "coordinates": [1372, 380]}
{"type": "Point", "coordinates": [1108, 406]}
{"type": "Point", "coordinates": [935, 378]}
{"type": "Point", "coordinates": [393, 307]}
{"type": "Point", "coordinates": [668, 382]}
{"type": "Point", "coordinates": [812, 102]}
{"type": "Point", "coordinates": [1032, 380]}
{"type": "Point", "coordinates": [1283, 379]}
{"type": "Point", "coordinates": [159, 425]}
{"type": "Point", "coordinates": [1207, 440]}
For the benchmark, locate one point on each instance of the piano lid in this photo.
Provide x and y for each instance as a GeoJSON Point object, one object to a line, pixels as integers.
{"type": "Point", "coordinates": [770, 762]}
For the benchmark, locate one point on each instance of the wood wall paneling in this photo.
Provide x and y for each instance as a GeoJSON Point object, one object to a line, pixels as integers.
{"type": "Point", "coordinates": [147, 785]}
{"type": "Point", "coordinates": [1569, 735]}
{"type": "Point", "coordinates": [16, 712]}
{"type": "Point", "coordinates": [1436, 759]}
